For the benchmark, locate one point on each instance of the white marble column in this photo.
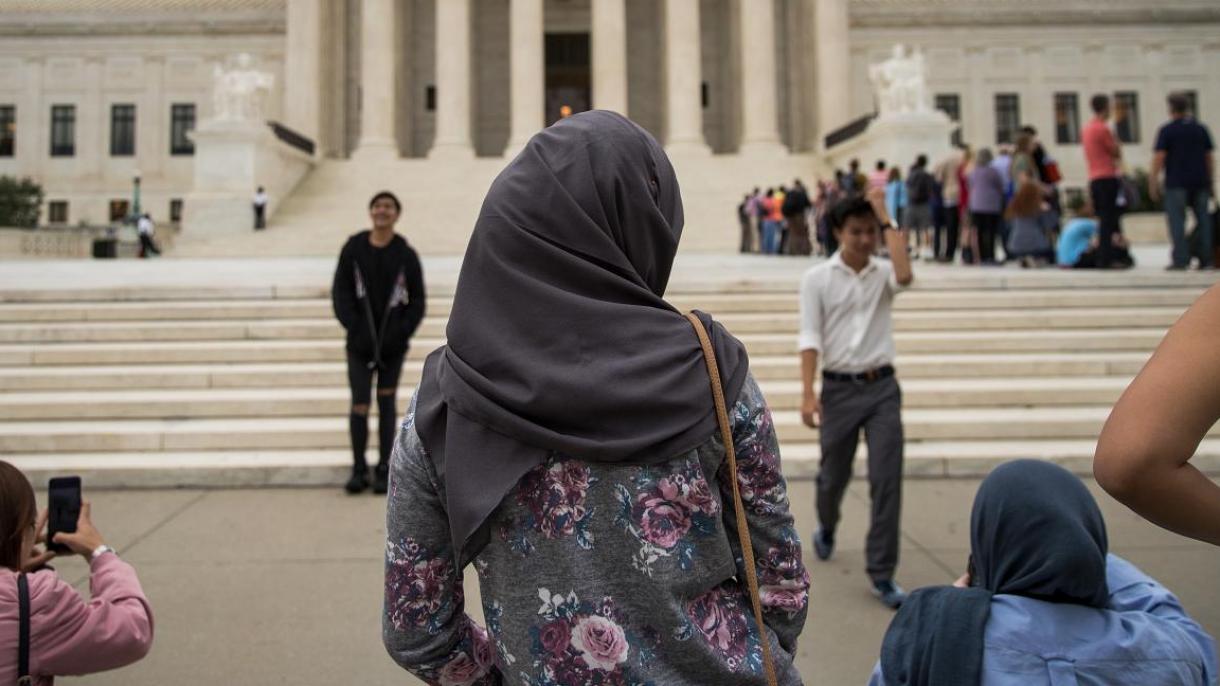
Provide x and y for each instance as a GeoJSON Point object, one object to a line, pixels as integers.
{"type": "Point", "coordinates": [610, 55]}
{"type": "Point", "coordinates": [760, 101]}
{"type": "Point", "coordinates": [453, 138]}
{"type": "Point", "coordinates": [834, 66]}
{"type": "Point", "coordinates": [303, 68]}
{"type": "Point", "coordinates": [683, 73]}
{"type": "Point", "coordinates": [377, 81]}
{"type": "Point", "coordinates": [528, 72]}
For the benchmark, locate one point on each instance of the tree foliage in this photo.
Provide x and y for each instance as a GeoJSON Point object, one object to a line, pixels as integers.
{"type": "Point", "coordinates": [20, 202]}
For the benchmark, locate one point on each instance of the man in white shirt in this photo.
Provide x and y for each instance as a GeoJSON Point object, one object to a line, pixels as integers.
{"type": "Point", "coordinates": [146, 229]}
{"type": "Point", "coordinates": [846, 323]}
{"type": "Point", "coordinates": [260, 209]}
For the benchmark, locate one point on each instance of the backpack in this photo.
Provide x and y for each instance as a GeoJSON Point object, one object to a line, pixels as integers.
{"type": "Point", "coordinates": [919, 191]}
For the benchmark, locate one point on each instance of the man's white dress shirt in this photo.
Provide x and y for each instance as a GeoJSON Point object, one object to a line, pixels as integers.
{"type": "Point", "coordinates": [846, 316]}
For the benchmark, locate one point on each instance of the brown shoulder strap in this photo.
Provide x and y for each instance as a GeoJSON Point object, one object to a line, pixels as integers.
{"type": "Point", "coordinates": [743, 528]}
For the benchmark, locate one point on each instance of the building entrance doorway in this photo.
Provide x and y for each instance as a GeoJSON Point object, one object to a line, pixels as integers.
{"type": "Point", "coordinates": [569, 75]}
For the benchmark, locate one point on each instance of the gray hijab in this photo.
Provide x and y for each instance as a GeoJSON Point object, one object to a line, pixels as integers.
{"type": "Point", "coordinates": [559, 339]}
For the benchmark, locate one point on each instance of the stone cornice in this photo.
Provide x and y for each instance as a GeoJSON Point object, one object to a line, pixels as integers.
{"type": "Point", "coordinates": [147, 22]}
{"type": "Point", "coordinates": [956, 13]}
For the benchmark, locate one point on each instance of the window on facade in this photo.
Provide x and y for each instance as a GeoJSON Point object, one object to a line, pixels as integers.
{"type": "Point", "coordinates": [57, 212]}
{"type": "Point", "coordinates": [1127, 116]}
{"type": "Point", "coordinates": [122, 130]}
{"type": "Point", "coordinates": [175, 209]}
{"type": "Point", "coordinates": [119, 210]}
{"type": "Point", "coordinates": [705, 95]}
{"type": "Point", "coordinates": [63, 130]}
{"type": "Point", "coordinates": [1067, 118]}
{"type": "Point", "coordinates": [8, 130]}
{"type": "Point", "coordinates": [950, 104]}
{"type": "Point", "coordinates": [182, 122]}
{"type": "Point", "coordinates": [1007, 117]}
{"type": "Point", "coordinates": [430, 98]}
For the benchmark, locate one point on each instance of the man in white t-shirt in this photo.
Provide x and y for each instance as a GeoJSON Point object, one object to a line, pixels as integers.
{"type": "Point", "coordinates": [846, 324]}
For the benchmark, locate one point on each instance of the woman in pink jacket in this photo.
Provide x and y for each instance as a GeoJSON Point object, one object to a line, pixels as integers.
{"type": "Point", "coordinates": [69, 635]}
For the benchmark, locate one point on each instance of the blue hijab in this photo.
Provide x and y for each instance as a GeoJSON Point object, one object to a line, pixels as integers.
{"type": "Point", "coordinates": [1035, 531]}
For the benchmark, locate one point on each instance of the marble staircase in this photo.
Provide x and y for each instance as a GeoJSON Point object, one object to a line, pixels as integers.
{"type": "Point", "coordinates": [236, 387]}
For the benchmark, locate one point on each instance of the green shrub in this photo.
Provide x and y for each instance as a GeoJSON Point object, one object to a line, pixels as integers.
{"type": "Point", "coordinates": [20, 202]}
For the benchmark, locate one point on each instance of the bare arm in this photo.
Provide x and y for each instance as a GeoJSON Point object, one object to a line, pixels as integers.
{"type": "Point", "coordinates": [894, 240]}
{"type": "Point", "coordinates": [811, 407]}
{"type": "Point", "coordinates": [1143, 455]}
{"type": "Point", "coordinates": [1154, 174]}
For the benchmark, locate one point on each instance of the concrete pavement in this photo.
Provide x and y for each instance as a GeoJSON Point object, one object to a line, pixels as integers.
{"type": "Point", "coordinates": [283, 586]}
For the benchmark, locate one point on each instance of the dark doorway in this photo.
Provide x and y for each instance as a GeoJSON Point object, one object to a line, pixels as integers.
{"type": "Point", "coordinates": [569, 74]}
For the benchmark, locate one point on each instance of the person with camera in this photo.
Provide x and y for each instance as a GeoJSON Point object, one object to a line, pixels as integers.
{"type": "Point", "coordinates": [67, 633]}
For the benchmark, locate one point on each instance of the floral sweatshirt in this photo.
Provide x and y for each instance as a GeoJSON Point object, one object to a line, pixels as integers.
{"type": "Point", "coordinates": [628, 575]}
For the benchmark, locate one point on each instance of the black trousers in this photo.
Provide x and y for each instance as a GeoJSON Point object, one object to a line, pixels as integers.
{"type": "Point", "coordinates": [260, 217]}
{"type": "Point", "coordinates": [1104, 193]}
{"type": "Point", "coordinates": [987, 224]}
{"type": "Point", "coordinates": [848, 407]}
{"type": "Point", "coordinates": [945, 238]}
{"type": "Point", "coordinates": [147, 246]}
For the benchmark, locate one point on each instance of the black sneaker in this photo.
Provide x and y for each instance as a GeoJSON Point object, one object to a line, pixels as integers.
{"type": "Point", "coordinates": [358, 482]}
{"type": "Point", "coordinates": [381, 479]}
{"type": "Point", "coordinates": [889, 593]}
{"type": "Point", "coordinates": [823, 544]}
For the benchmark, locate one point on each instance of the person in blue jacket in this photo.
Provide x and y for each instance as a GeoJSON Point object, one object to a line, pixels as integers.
{"type": "Point", "coordinates": [1043, 603]}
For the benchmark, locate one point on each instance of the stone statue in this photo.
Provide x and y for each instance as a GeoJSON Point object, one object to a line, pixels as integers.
{"type": "Point", "coordinates": [238, 91]}
{"type": "Point", "coordinates": [900, 83]}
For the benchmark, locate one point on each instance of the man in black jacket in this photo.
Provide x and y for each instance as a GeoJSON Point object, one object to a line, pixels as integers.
{"type": "Point", "coordinates": [378, 296]}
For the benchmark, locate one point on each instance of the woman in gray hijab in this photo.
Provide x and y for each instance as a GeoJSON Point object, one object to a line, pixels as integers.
{"type": "Point", "coordinates": [564, 442]}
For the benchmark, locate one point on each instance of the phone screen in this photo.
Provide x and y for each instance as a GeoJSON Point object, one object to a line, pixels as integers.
{"type": "Point", "coordinates": [63, 505]}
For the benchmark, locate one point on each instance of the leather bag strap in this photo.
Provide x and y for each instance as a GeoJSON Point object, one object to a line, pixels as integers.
{"type": "Point", "coordinates": [743, 528]}
{"type": "Point", "coordinates": [23, 631]}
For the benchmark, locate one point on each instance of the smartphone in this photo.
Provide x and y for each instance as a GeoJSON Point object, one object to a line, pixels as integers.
{"type": "Point", "coordinates": [63, 505]}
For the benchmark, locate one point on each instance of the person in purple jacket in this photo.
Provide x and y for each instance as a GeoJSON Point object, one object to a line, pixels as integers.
{"type": "Point", "coordinates": [69, 634]}
{"type": "Point", "coordinates": [986, 204]}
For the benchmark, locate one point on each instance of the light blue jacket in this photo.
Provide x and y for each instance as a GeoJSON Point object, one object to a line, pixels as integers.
{"type": "Point", "coordinates": [895, 197]}
{"type": "Point", "coordinates": [1144, 638]}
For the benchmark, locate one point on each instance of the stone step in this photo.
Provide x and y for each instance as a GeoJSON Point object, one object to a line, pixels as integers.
{"type": "Point", "coordinates": [723, 303]}
{"type": "Point", "coordinates": [331, 348]}
{"type": "Point", "coordinates": [739, 323]}
{"type": "Point", "coordinates": [970, 424]}
{"type": "Point", "coordinates": [234, 469]}
{"type": "Point", "coordinates": [334, 374]}
{"type": "Point", "coordinates": [312, 433]}
{"type": "Point", "coordinates": [275, 401]}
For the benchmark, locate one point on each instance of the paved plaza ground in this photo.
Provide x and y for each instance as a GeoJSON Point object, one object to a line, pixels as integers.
{"type": "Point", "coordinates": [284, 586]}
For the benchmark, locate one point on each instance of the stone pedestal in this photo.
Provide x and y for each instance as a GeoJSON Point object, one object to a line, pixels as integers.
{"type": "Point", "coordinates": [898, 139]}
{"type": "Point", "coordinates": [232, 159]}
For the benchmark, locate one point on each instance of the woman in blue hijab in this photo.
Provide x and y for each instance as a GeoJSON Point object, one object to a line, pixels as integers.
{"type": "Point", "coordinates": [1043, 602]}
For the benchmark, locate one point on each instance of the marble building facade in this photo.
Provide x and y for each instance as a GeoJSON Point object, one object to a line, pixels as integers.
{"type": "Point", "coordinates": [740, 82]}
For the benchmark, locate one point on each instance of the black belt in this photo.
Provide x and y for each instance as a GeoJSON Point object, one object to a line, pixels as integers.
{"type": "Point", "coordinates": [863, 377]}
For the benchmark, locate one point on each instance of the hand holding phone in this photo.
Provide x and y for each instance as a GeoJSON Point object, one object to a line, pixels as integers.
{"type": "Point", "coordinates": [64, 508]}
{"type": "Point", "coordinates": [86, 538]}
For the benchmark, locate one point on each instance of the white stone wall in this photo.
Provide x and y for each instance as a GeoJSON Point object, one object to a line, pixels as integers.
{"type": "Point", "coordinates": [1037, 62]}
{"type": "Point", "coordinates": [92, 73]}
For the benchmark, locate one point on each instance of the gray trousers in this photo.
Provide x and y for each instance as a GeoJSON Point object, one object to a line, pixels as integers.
{"type": "Point", "coordinates": [876, 407]}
